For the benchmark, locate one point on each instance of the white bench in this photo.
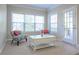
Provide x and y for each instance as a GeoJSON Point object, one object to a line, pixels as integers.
{"type": "Point", "coordinates": [38, 41]}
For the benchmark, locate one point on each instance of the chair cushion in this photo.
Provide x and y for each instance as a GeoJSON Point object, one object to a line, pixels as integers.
{"type": "Point", "coordinates": [16, 33]}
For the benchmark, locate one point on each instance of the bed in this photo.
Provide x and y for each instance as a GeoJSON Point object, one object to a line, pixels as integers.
{"type": "Point", "coordinates": [39, 41]}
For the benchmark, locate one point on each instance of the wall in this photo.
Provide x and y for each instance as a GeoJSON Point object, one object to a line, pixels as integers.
{"type": "Point", "coordinates": [3, 27]}
{"type": "Point", "coordinates": [60, 11]}
{"type": "Point", "coordinates": [16, 9]}
{"type": "Point", "coordinates": [78, 24]}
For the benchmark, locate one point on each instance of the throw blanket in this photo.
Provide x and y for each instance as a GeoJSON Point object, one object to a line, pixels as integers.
{"type": "Point", "coordinates": [21, 36]}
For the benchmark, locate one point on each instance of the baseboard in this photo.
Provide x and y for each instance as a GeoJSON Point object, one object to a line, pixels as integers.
{"type": "Point", "coordinates": [2, 47]}
{"type": "Point", "coordinates": [0, 50]}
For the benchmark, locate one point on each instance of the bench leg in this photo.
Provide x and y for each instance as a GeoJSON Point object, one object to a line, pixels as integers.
{"type": "Point", "coordinates": [34, 49]}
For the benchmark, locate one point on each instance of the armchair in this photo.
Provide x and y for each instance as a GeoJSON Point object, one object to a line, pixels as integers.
{"type": "Point", "coordinates": [18, 36]}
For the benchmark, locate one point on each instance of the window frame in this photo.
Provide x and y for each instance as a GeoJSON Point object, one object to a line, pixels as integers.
{"type": "Point", "coordinates": [28, 23]}
{"type": "Point", "coordinates": [15, 22]}
{"type": "Point", "coordinates": [55, 23]}
{"type": "Point", "coordinates": [39, 23]}
{"type": "Point", "coordinates": [24, 23]}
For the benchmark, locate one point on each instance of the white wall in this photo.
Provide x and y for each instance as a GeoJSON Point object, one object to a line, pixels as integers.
{"type": "Point", "coordinates": [16, 9]}
{"type": "Point", "coordinates": [3, 27]}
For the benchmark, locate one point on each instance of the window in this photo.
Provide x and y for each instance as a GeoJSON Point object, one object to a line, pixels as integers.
{"type": "Point", "coordinates": [68, 24]}
{"type": "Point", "coordinates": [27, 23]}
{"type": "Point", "coordinates": [53, 23]}
{"type": "Point", "coordinates": [17, 22]}
{"type": "Point", "coordinates": [39, 23]}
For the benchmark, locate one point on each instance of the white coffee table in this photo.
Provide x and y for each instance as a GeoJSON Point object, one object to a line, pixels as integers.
{"type": "Point", "coordinates": [38, 41]}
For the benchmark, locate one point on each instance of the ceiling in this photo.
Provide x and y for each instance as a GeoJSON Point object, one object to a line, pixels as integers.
{"type": "Point", "coordinates": [40, 6]}
{"type": "Point", "coordinates": [44, 6]}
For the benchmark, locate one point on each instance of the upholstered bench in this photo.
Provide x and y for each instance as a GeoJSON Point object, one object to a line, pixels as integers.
{"type": "Point", "coordinates": [38, 41]}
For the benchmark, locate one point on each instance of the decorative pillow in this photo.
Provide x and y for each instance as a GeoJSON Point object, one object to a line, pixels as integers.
{"type": "Point", "coordinates": [16, 33]}
{"type": "Point", "coordinates": [45, 31]}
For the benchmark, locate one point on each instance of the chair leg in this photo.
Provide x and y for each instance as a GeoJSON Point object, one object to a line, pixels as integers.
{"type": "Point", "coordinates": [26, 39]}
{"type": "Point", "coordinates": [12, 42]}
{"type": "Point", "coordinates": [17, 43]}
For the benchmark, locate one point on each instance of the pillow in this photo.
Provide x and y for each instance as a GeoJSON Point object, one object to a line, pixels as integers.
{"type": "Point", "coordinates": [45, 31]}
{"type": "Point", "coordinates": [16, 33]}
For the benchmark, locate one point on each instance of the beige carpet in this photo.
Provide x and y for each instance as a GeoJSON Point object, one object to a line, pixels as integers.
{"type": "Point", "coordinates": [61, 48]}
